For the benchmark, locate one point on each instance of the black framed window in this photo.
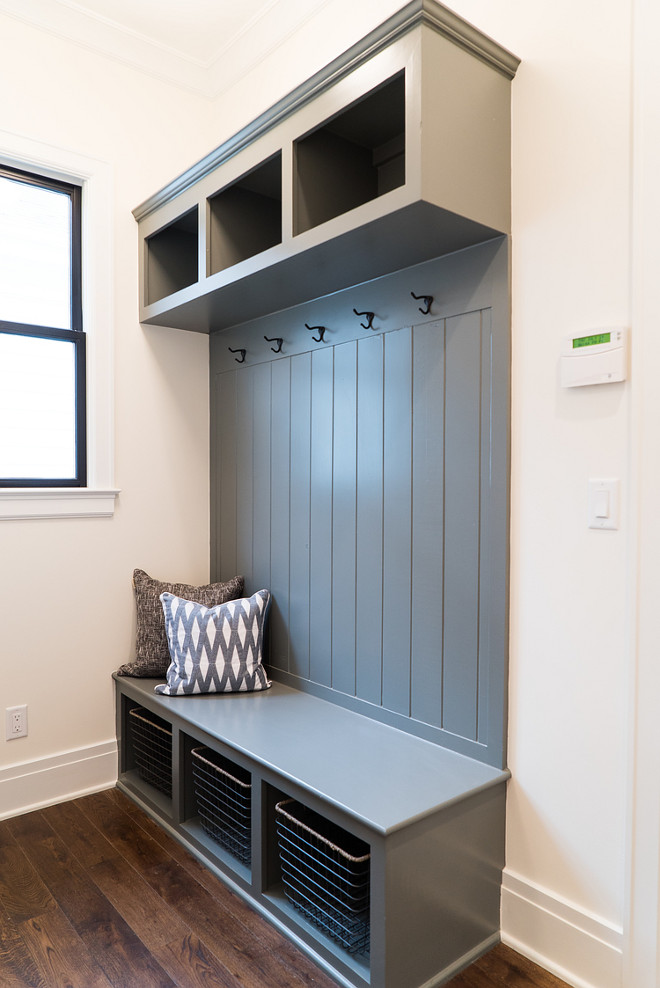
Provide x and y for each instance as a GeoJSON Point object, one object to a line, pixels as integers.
{"type": "Point", "coordinates": [42, 343]}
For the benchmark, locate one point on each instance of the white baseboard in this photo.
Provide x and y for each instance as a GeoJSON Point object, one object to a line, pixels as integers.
{"type": "Point", "coordinates": [33, 785]}
{"type": "Point", "coordinates": [582, 949]}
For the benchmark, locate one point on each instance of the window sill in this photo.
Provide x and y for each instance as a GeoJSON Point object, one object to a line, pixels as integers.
{"type": "Point", "coordinates": [56, 502]}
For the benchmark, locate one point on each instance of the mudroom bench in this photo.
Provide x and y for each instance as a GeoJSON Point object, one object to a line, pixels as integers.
{"type": "Point", "coordinates": [347, 252]}
{"type": "Point", "coordinates": [377, 852]}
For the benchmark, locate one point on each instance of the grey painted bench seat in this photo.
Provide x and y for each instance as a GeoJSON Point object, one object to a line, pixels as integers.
{"type": "Point", "coordinates": [374, 773]}
{"type": "Point", "coordinates": [433, 818]}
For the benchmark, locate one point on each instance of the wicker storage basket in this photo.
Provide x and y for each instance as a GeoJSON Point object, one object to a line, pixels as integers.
{"type": "Point", "coordinates": [151, 738]}
{"type": "Point", "coordinates": [223, 792]}
{"type": "Point", "coordinates": [325, 871]}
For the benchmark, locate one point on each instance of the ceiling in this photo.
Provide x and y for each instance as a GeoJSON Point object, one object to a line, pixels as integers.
{"type": "Point", "coordinates": [184, 41]}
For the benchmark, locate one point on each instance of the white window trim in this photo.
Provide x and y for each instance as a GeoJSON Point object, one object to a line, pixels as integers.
{"type": "Point", "coordinates": [95, 178]}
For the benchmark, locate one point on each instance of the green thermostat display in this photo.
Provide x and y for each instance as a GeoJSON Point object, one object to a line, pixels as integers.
{"type": "Point", "coordinates": [593, 340]}
{"type": "Point", "coordinates": [598, 357]}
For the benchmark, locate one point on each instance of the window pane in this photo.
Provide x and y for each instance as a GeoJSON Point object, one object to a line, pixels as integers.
{"type": "Point", "coordinates": [35, 255]}
{"type": "Point", "coordinates": [37, 408]}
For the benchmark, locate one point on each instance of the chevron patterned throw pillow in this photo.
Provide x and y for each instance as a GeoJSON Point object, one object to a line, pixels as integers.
{"type": "Point", "coordinates": [215, 649]}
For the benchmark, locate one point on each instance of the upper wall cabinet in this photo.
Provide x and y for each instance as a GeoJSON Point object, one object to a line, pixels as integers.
{"type": "Point", "coordinates": [395, 153]}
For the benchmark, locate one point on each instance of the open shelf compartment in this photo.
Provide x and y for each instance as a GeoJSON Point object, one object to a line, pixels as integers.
{"type": "Point", "coordinates": [245, 218]}
{"type": "Point", "coordinates": [149, 750]}
{"type": "Point", "coordinates": [325, 874]}
{"type": "Point", "coordinates": [352, 158]}
{"type": "Point", "coordinates": [172, 257]}
{"type": "Point", "coordinates": [223, 801]}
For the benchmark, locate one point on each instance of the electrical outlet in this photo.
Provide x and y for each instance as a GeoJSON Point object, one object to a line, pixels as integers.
{"type": "Point", "coordinates": [16, 722]}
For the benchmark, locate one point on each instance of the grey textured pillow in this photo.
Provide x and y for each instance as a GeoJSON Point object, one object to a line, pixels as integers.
{"type": "Point", "coordinates": [152, 655]}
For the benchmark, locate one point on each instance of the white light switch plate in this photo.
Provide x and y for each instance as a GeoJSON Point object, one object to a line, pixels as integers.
{"type": "Point", "coordinates": [603, 510]}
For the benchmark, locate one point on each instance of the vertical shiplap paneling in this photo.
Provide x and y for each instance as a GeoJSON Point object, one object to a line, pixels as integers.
{"type": "Point", "coordinates": [280, 492]}
{"type": "Point", "coordinates": [215, 454]}
{"type": "Point", "coordinates": [226, 438]}
{"type": "Point", "coordinates": [261, 483]}
{"type": "Point", "coordinates": [428, 515]}
{"type": "Point", "coordinates": [244, 474]}
{"type": "Point", "coordinates": [299, 605]}
{"type": "Point", "coordinates": [367, 485]}
{"type": "Point", "coordinates": [397, 512]}
{"type": "Point", "coordinates": [462, 523]}
{"type": "Point", "coordinates": [369, 544]}
{"type": "Point", "coordinates": [320, 516]}
{"type": "Point", "coordinates": [485, 561]}
{"type": "Point", "coordinates": [343, 518]}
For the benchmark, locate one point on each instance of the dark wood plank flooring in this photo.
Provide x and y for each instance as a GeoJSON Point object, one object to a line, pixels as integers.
{"type": "Point", "coordinates": [93, 894]}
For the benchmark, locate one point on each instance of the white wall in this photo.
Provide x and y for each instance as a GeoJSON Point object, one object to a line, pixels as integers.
{"type": "Point", "coordinates": [564, 886]}
{"type": "Point", "coordinates": [642, 920]}
{"type": "Point", "coordinates": [66, 604]}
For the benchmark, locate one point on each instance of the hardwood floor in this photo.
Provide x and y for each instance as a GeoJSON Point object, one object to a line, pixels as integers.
{"type": "Point", "coordinates": [93, 894]}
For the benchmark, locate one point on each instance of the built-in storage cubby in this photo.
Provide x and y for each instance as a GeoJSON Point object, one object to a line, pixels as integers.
{"type": "Point", "coordinates": [172, 257]}
{"type": "Point", "coordinates": [213, 799]}
{"type": "Point", "coordinates": [356, 156]}
{"type": "Point", "coordinates": [147, 753]}
{"type": "Point", "coordinates": [325, 873]}
{"type": "Point", "coordinates": [245, 218]}
{"type": "Point", "coordinates": [317, 878]}
{"type": "Point", "coordinates": [223, 799]}
{"type": "Point", "coordinates": [396, 152]}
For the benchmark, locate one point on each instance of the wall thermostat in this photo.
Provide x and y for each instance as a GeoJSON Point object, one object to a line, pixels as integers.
{"type": "Point", "coordinates": [598, 357]}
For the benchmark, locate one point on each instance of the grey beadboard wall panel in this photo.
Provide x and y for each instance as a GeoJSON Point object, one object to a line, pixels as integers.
{"type": "Point", "coordinates": [245, 480]}
{"type": "Point", "coordinates": [320, 517]}
{"type": "Point", "coordinates": [299, 514]}
{"type": "Point", "coordinates": [463, 494]}
{"type": "Point", "coordinates": [428, 511]}
{"type": "Point", "coordinates": [369, 509]}
{"type": "Point", "coordinates": [344, 494]}
{"type": "Point", "coordinates": [262, 494]}
{"type": "Point", "coordinates": [225, 423]}
{"type": "Point", "coordinates": [487, 590]}
{"type": "Point", "coordinates": [283, 514]}
{"type": "Point", "coordinates": [397, 518]}
{"type": "Point", "coordinates": [365, 478]}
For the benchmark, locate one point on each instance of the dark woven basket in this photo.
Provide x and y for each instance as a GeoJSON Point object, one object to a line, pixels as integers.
{"type": "Point", "coordinates": [326, 874]}
{"type": "Point", "coordinates": [151, 738]}
{"type": "Point", "coordinates": [223, 792]}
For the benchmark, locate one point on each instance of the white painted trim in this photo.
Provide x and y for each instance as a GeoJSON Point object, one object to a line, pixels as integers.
{"type": "Point", "coordinates": [32, 785]}
{"type": "Point", "coordinates": [580, 948]}
{"type": "Point", "coordinates": [231, 59]}
{"type": "Point", "coordinates": [96, 179]}
{"type": "Point", "coordinates": [642, 918]}
{"type": "Point", "coordinates": [105, 37]}
{"type": "Point", "coordinates": [56, 502]}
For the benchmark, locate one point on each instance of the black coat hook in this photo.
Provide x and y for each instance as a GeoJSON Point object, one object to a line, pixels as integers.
{"type": "Point", "coordinates": [241, 359]}
{"type": "Point", "coordinates": [428, 301]}
{"type": "Point", "coordinates": [321, 336]}
{"type": "Point", "coordinates": [370, 318]}
{"type": "Point", "coordinates": [275, 339]}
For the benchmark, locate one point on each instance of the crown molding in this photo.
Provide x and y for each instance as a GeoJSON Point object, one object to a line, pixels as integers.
{"type": "Point", "coordinates": [105, 37]}
{"type": "Point", "coordinates": [207, 77]}
{"type": "Point", "coordinates": [243, 51]}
